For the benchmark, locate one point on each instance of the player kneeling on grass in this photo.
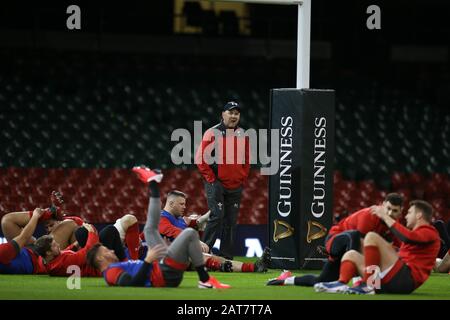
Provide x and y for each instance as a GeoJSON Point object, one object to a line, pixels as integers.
{"type": "Point", "coordinates": [172, 223]}
{"type": "Point", "coordinates": [401, 272]}
{"type": "Point", "coordinates": [164, 265]}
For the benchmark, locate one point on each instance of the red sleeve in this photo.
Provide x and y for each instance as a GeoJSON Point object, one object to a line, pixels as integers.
{"type": "Point", "coordinates": [367, 222]}
{"type": "Point", "coordinates": [77, 220]}
{"type": "Point", "coordinates": [79, 258]}
{"type": "Point", "coordinates": [417, 236]}
{"type": "Point", "coordinates": [396, 242]}
{"type": "Point", "coordinates": [204, 168]}
{"type": "Point", "coordinates": [112, 275]}
{"type": "Point", "coordinates": [167, 229]}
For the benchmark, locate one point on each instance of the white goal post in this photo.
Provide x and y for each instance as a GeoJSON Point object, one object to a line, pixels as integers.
{"type": "Point", "coordinates": [303, 35]}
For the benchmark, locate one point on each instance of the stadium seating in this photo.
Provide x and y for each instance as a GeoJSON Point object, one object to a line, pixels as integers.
{"type": "Point", "coordinates": [77, 122]}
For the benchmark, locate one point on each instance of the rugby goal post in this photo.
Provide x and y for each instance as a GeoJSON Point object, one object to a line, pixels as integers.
{"type": "Point", "coordinates": [301, 192]}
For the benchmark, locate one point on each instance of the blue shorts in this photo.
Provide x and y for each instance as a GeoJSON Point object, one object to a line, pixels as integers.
{"type": "Point", "coordinates": [22, 264]}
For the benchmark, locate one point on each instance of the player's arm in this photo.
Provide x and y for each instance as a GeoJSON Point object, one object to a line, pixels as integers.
{"type": "Point", "coordinates": [141, 277]}
{"type": "Point", "coordinates": [13, 222]}
{"type": "Point", "coordinates": [204, 168]}
{"type": "Point", "coordinates": [421, 236]}
{"type": "Point", "coordinates": [76, 219]}
{"type": "Point", "coordinates": [167, 229]}
{"type": "Point", "coordinates": [79, 258]}
{"type": "Point", "coordinates": [366, 223]}
{"type": "Point", "coordinates": [74, 246]}
{"type": "Point", "coordinates": [27, 232]}
{"type": "Point", "coordinates": [401, 232]}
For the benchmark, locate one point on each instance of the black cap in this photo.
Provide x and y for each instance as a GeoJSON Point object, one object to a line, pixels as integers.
{"type": "Point", "coordinates": [231, 105]}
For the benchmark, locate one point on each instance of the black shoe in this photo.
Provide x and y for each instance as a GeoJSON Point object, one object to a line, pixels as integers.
{"type": "Point", "coordinates": [226, 266]}
{"type": "Point", "coordinates": [275, 282]}
{"type": "Point", "coordinates": [263, 263]}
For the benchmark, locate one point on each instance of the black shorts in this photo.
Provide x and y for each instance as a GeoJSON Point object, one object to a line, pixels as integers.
{"type": "Point", "coordinates": [398, 280]}
{"type": "Point", "coordinates": [172, 276]}
{"type": "Point", "coordinates": [340, 243]}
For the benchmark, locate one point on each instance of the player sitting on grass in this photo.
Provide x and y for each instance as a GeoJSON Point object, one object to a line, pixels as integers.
{"type": "Point", "coordinates": [172, 223]}
{"type": "Point", "coordinates": [163, 266]}
{"type": "Point", "coordinates": [16, 257]}
{"type": "Point", "coordinates": [345, 236]}
{"type": "Point", "coordinates": [382, 268]}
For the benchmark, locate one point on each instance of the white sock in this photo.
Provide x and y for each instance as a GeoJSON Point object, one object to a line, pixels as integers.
{"type": "Point", "coordinates": [204, 217]}
{"type": "Point", "coordinates": [289, 281]}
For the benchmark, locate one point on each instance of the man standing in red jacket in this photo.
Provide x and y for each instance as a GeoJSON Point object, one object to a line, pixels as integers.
{"type": "Point", "coordinates": [224, 176]}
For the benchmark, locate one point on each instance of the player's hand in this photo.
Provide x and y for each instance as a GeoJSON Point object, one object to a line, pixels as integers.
{"type": "Point", "coordinates": [202, 220]}
{"type": "Point", "coordinates": [37, 213]}
{"type": "Point", "coordinates": [191, 221]}
{"type": "Point", "coordinates": [166, 241]}
{"type": "Point", "coordinates": [379, 211]}
{"type": "Point", "coordinates": [205, 248]}
{"type": "Point", "coordinates": [156, 253]}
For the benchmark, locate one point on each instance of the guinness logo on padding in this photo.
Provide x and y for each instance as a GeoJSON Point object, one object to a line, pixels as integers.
{"type": "Point", "coordinates": [278, 234]}
{"type": "Point", "coordinates": [322, 232]}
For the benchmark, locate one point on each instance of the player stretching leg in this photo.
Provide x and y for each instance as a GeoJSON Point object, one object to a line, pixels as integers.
{"type": "Point", "coordinates": [172, 223]}
{"type": "Point", "coordinates": [153, 272]}
{"type": "Point", "coordinates": [15, 258]}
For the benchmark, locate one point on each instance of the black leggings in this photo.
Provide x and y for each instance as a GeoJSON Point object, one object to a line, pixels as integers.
{"type": "Point", "coordinates": [109, 237]}
{"type": "Point", "coordinates": [443, 234]}
{"type": "Point", "coordinates": [341, 243]}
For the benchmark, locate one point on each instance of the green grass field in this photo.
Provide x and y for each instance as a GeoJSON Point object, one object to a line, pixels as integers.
{"type": "Point", "coordinates": [245, 286]}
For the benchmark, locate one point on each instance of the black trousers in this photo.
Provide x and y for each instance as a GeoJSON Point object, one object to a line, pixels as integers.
{"type": "Point", "coordinates": [224, 205]}
{"type": "Point", "coordinates": [109, 237]}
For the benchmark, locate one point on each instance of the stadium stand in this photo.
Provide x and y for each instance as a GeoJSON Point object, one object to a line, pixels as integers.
{"type": "Point", "coordinates": [76, 121]}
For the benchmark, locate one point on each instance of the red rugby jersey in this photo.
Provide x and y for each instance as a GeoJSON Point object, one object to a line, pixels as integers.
{"type": "Point", "coordinates": [59, 265]}
{"type": "Point", "coordinates": [363, 221]}
{"type": "Point", "coordinates": [418, 250]}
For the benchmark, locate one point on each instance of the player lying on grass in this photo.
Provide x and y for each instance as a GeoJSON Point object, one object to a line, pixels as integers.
{"type": "Point", "coordinates": [164, 265]}
{"type": "Point", "coordinates": [122, 237]}
{"type": "Point", "coordinates": [445, 238]}
{"type": "Point", "coordinates": [443, 265]}
{"type": "Point", "coordinates": [382, 268]}
{"type": "Point", "coordinates": [57, 261]}
{"type": "Point", "coordinates": [345, 236]}
{"type": "Point", "coordinates": [61, 227]}
{"type": "Point", "coordinates": [69, 233]}
{"type": "Point", "coordinates": [172, 223]}
{"type": "Point", "coordinates": [16, 257]}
